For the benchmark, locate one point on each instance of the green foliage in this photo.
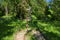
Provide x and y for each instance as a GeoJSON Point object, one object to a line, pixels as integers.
{"type": "Point", "coordinates": [8, 26]}
{"type": "Point", "coordinates": [44, 16]}
{"type": "Point", "coordinates": [50, 30]}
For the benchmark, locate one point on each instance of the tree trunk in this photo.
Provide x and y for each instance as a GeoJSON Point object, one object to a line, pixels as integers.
{"type": "Point", "coordinates": [6, 11]}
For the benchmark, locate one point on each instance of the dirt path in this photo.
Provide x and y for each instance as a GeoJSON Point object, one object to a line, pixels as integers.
{"type": "Point", "coordinates": [20, 35]}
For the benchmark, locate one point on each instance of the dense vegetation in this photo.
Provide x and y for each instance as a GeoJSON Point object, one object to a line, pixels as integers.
{"type": "Point", "coordinates": [41, 14]}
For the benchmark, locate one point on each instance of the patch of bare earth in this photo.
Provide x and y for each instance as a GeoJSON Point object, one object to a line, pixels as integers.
{"type": "Point", "coordinates": [21, 35]}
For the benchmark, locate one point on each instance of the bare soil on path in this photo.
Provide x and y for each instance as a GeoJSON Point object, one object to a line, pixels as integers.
{"type": "Point", "coordinates": [21, 35]}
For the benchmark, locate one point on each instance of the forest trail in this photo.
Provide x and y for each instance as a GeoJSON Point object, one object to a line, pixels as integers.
{"type": "Point", "coordinates": [21, 35]}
